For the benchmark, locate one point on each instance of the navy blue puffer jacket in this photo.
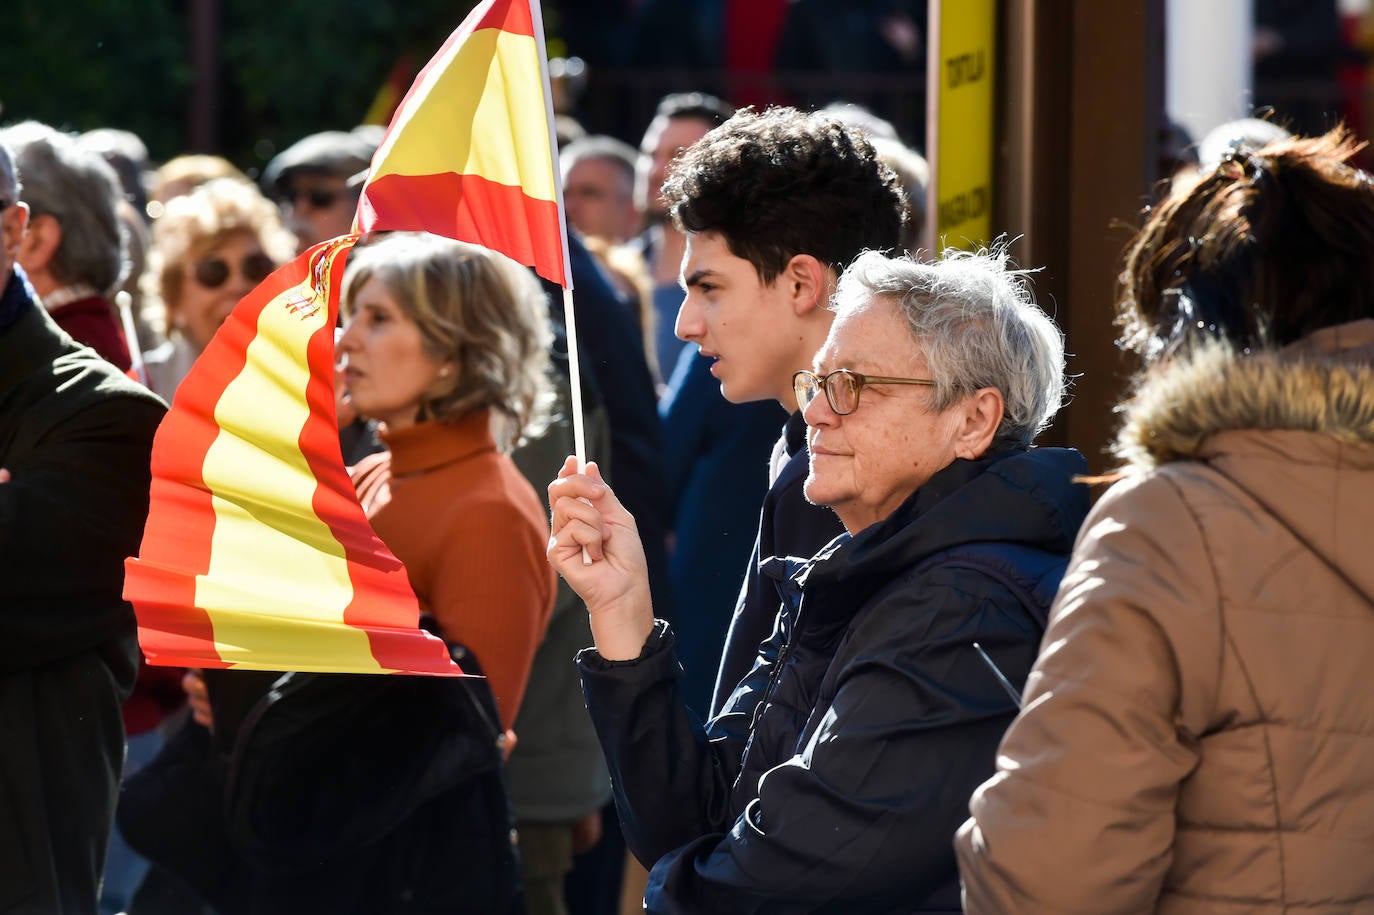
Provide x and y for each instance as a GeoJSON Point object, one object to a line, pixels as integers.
{"type": "Point", "coordinates": [834, 778]}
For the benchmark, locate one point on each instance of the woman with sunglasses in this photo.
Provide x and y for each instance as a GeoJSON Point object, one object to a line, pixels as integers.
{"type": "Point", "coordinates": [836, 774]}
{"type": "Point", "coordinates": [210, 248]}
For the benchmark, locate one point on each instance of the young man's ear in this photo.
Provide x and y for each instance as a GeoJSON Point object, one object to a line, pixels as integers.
{"type": "Point", "coordinates": [809, 283]}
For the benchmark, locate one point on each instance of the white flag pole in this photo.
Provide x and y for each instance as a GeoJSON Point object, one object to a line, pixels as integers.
{"type": "Point", "coordinates": [569, 318]}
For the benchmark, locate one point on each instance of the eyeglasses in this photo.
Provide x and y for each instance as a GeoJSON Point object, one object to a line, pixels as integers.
{"type": "Point", "coordinates": [318, 197]}
{"type": "Point", "coordinates": [213, 272]}
{"type": "Point", "coordinates": [841, 388]}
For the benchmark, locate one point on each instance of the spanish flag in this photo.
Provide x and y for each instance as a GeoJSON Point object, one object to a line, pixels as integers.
{"type": "Point", "coordinates": [470, 151]}
{"type": "Point", "coordinates": [256, 553]}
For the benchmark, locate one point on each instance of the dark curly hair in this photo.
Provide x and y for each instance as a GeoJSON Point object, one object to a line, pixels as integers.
{"type": "Point", "coordinates": [1264, 249]}
{"type": "Point", "coordinates": [784, 182]}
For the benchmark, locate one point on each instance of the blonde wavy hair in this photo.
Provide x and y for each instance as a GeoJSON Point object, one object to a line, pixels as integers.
{"type": "Point", "coordinates": [195, 224]}
{"type": "Point", "coordinates": [475, 308]}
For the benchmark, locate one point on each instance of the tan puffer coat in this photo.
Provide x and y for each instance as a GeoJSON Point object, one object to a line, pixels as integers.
{"type": "Point", "coordinates": [1198, 731]}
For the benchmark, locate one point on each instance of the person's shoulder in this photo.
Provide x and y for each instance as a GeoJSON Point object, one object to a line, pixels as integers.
{"type": "Point", "coordinates": [487, 490]}
{"type": "Point", "coordinates": [1141, 495]}
{"type": "Point", "coordinates": [80, 380]}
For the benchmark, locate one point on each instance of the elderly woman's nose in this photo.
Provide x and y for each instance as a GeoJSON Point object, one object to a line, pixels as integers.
{"type": "Point", "coordinates": [819, 412]}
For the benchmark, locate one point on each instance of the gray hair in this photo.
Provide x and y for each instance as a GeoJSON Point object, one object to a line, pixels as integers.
{"type": "Point", "coordinates": [598, 146]}
{"type": "Point", "coordinates": [975, 320]}
{"type": "Point", "coordinates": [79, 189]}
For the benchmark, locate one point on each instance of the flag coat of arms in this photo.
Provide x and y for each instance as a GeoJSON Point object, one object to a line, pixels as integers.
{"type": "Point", "coordinates": [256, 553]}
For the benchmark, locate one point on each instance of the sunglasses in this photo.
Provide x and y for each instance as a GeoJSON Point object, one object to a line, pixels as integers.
{"type": "Point", "coordinates": [841, 388]}
{"type": "Point", "coordinates": [213, 272]}
{"type": "Point", "coordinates": [319, 198]}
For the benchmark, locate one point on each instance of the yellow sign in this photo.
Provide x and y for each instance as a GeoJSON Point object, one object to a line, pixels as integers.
{"type": "Point", "coordinates": [961, 116]}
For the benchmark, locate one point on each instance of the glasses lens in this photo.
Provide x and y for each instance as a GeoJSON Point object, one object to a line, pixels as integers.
{"type": "Point", "coordinates": [321, 199]}
{"type": "Point", "coordinates": [843, 389]}
{"type": "Point", "coordinates": [256, 267]}
{"type": "Point", "coordinates": [212, 273]}
{"type": "Point", "coordinates": [805, 386]}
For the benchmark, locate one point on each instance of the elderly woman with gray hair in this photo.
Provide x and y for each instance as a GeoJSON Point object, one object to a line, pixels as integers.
{"type": "Point", "coordinates": [836, 774]}
{"type": "Point", "coordinates": [74, 249]}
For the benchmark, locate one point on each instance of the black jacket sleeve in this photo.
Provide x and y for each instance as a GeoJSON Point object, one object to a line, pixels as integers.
{"type": "Point", "coordinates": [671, 781]}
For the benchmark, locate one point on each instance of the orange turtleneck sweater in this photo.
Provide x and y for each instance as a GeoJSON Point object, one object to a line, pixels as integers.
{"type": "Point", "coordinates": [472, 533]}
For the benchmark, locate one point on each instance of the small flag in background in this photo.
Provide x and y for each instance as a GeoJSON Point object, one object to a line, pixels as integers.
{"type": "Point", "coordinates": [390, 93]}
{"type": "Point", "coordinates": [256, 553]}
{"type": "Point", "coordinates": [469, 152]}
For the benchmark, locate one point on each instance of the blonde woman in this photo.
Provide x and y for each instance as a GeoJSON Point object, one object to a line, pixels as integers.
{"type": "Point", "coordinates": [446, 347]}
{"type": "Point", "coordinates": [210, 248]}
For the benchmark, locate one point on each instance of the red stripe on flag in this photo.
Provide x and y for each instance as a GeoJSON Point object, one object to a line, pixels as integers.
{"type": "Point", "coordinates": [506, 15]}
{"type": "Point", "coordinates": [473, 208]}
{"type": "Point", "coordinates": [383, 604]}
{"type": "Point", "coordinates": [180, 529]}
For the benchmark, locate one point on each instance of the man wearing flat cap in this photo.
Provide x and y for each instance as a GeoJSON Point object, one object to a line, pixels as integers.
{"type": "Point", "coordinates": [310, 182]}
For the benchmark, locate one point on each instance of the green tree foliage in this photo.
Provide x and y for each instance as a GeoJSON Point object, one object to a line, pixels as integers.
{"type": "Point", "coordinates": [81, 64]}
{"type": "Point", "coordinates": [289, 73]}
{"type": "Point", "coordinates": [287, 68]}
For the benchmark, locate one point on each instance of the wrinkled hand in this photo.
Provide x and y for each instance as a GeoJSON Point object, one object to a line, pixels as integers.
{"type": "Point", "coordinates": [615, 582]}
{"type": "Point", "coordinates": [197, 697]}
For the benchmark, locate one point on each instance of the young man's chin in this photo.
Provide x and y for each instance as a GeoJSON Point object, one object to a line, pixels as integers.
{"type": "Point", "coordinates": [737, 393]}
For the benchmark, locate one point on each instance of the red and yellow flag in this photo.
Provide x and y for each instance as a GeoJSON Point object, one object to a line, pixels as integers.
{"type": "Point", "coordinates": [469, 153]}
{"type": "Point", "coordinates": [256, 553]}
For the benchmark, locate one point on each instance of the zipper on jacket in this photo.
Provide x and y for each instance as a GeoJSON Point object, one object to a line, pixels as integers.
{"type": "Point", "coordinates": [774, 679]}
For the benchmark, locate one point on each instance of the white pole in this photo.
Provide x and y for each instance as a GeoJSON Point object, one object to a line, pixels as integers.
{"type": "Point", "coordinates": [575, 381]}
{"type": "Point", "coordinates": [124, 305]}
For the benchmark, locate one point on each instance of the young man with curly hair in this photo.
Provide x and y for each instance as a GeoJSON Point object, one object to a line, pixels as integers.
{"type": "Point", "coordinates": [774, 205]}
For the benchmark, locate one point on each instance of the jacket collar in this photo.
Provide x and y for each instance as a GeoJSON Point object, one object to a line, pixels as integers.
{"type": "Point", "coordinates": [16, 300]}
{"type": "Point", "coordinates": [425, 446]}
{"type": "Point", "coordinates": [1018, 498]}
{"type": "Point", "coordinates": [1324, 383]}
{"type": "Point", "coordinates": [794, 434]}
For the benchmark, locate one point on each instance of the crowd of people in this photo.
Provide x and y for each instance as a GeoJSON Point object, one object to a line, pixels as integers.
{"type": "Point", "coordinates": [846, 638]}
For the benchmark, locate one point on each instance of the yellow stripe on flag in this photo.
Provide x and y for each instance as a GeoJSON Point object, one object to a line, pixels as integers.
{"type": "Point", "coordinates": [501, 129]}
{"type": "Point", "coordinates": [290, 561]}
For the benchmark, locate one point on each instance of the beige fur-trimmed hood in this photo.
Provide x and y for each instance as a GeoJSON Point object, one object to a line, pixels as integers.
{"type": "Point", "coordinates": [1324, 383]}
